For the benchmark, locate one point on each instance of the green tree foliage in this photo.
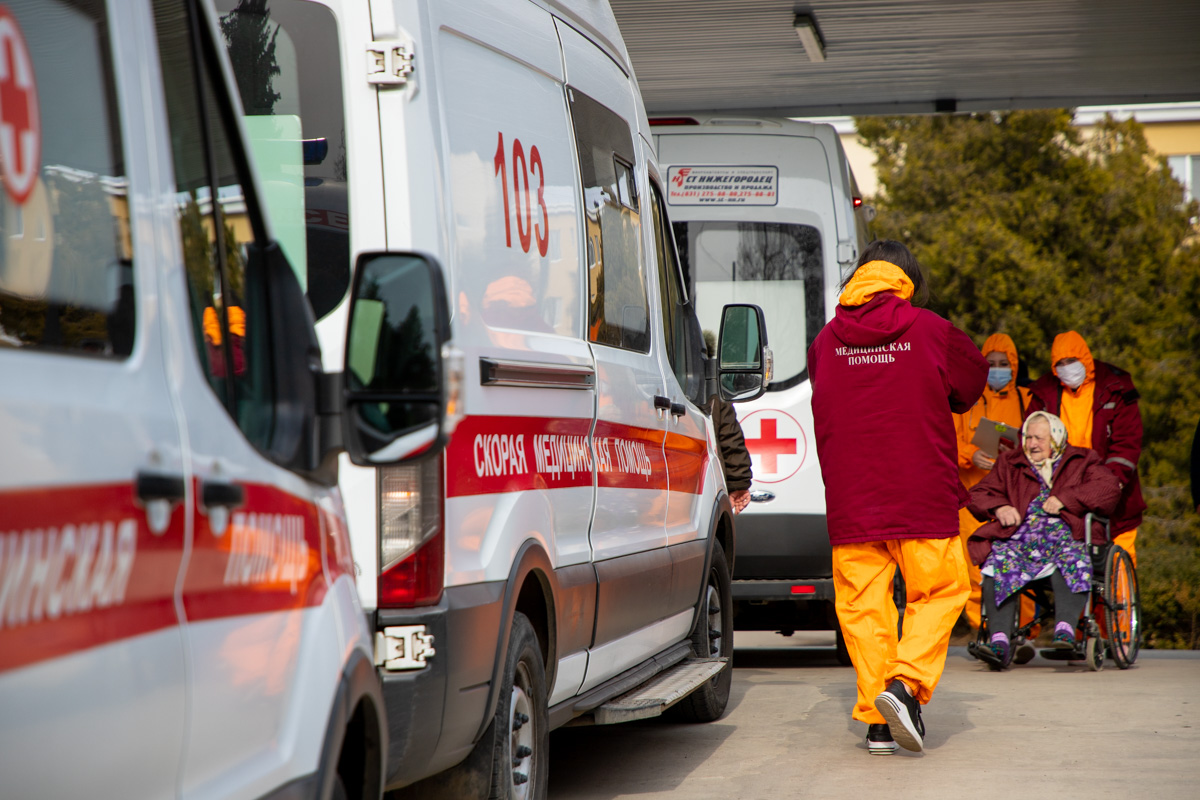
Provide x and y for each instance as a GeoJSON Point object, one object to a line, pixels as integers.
{"type": "Point", "coordinates": [250, 37]}
{"type": "Point", "coordinates": [1030, 227]}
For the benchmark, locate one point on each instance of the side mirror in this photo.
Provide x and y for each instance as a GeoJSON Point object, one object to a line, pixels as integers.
{"type": "Point", "coordinates": [744, 362]}
{"type": "Point", "coordinates": [393, 385]}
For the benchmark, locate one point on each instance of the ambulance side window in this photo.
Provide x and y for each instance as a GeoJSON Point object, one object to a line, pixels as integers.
{"type": "Point", "coordinates": [226, 294]}
{"type": "Point", "coordinates": [682, 349]}
{"type": "Point", "coordinates": [618, 314]}
{"type": "Point", "coordinates": [66, 255]}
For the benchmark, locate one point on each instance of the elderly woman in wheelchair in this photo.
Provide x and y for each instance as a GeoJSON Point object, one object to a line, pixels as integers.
{"type": "Point", "coordinates": [1035, 503]}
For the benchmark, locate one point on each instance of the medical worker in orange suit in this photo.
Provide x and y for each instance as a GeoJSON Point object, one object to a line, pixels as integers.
{"type": "Point", "coordinates": [1002, 401]}
{"type": "Point", "coordinates": [1099, 405]}
{"type": "Point", "coordinates": [887, 378]}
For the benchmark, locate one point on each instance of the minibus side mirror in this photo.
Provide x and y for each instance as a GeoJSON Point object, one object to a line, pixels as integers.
{"type": "Point", "coordinates": [394, 384]}
{"type": "Point", "coordinates": [744, 362]}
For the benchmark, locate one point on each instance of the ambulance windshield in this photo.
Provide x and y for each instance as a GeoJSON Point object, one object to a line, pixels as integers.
{"type": "Point", "coordinates": [775, 266]}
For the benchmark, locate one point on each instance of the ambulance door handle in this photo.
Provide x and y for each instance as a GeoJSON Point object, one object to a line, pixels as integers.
{"type": "Point", "coordinates": [156, 486]}
{"type": "Point", "coordinates": [217, 494]}
{"type": "Point", "coordinates": [217, 499]}
{"type": "Point", "coordinates": [662, 403]}
{"type": "Point", "coordinates": [159, 494]}
{"type": "Point", "coordinates": [678, 409]}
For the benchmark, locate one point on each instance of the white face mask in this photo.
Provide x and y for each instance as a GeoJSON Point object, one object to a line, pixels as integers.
{"type": "Point", "coordinates": [1071, 375]}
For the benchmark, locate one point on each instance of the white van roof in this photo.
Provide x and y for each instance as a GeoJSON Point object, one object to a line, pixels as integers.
{"type": "Point", "coordinates": [593, 18]}
{"type": "Point", "coordinates": [704, 123]}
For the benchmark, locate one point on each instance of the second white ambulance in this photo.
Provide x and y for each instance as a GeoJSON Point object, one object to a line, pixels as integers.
{"type": "Point", "coordinates": [178, 610]}
{"type": "Point", "coordinates": [767, 211]}
{"type": "Point", "coordinates": [573, 543]}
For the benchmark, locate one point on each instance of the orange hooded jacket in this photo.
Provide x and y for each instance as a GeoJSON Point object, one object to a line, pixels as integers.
{"type": "Point", "coordinates": [1008, 405]}
{"type": "Point", "coordinates": [1103, 413]}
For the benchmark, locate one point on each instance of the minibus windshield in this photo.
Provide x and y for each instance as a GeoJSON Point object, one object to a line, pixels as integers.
{"type": "Point", "coordinates": [778, 267]}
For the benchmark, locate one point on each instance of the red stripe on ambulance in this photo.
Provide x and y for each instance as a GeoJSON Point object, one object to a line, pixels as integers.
{"type": "Point", "coordinates": [687, 460]}
{"type": "Point", "coordinates": [268, 558]}
{"type": "Point", "coordinates": [629, 457]}
{"type": "Point", "coordinates": [490, 455]}
{"type": "Point", "coordinates": [80, 568]}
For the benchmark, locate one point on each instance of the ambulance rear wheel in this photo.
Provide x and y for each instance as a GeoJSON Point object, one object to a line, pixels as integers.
{"type": "Point", "coordinates": [519, 767]}
{"type": "Point", "coordinates": [712, 638]}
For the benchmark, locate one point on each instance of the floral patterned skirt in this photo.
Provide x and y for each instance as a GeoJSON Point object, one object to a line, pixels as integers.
{"type": "Point", "coordinates": [1042, 543]}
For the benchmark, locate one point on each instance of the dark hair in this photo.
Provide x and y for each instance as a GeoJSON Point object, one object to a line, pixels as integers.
{"type": "Point", "coordinates": [896, 253]}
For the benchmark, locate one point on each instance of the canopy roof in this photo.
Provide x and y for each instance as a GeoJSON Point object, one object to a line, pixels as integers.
{"type": "Point", "coordinates": [910, 56]}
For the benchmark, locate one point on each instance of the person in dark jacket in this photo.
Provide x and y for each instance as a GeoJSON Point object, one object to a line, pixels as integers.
{"type": "Point", "coordinates": [1033, 504]}
{"type": "Point", "coordinates": [735, 457]}
{"type": "Point", "coordinates": [1098, 404]}
{"type": "Point", "coordinates": [886, 377]}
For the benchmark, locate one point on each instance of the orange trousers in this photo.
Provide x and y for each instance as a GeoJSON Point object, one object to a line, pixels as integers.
{"type": "Point", "coordinates": [935, 575]}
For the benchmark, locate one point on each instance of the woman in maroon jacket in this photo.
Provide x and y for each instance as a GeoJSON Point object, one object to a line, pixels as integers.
{"type": "Point", "coordinates": [1036, 500]}
{"type": "Point", "coordinates": [885, 378]}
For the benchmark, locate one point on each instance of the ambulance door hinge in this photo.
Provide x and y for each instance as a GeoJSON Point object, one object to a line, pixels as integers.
{"type": "Point", "coordinates": [846, 253]}
{"type": "Point", "coordinates": [389, 63]}
{"type": "Point", "coordinates": [403, 647]}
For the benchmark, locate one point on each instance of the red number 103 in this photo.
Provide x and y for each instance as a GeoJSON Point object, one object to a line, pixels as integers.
{"type": "Point", "coordinates": [527, 230]}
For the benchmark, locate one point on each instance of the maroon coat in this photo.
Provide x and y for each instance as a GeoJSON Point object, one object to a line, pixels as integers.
{"type": "Point", "coordinates": [885, 378]}
{"type": "Point", "coordinates": [1116, 433]}
{"type": "Point", "coordinates": [1080, 481]}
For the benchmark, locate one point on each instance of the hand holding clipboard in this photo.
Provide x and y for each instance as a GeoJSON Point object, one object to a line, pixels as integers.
{"type": "Point", "coordinates": [991, 437]}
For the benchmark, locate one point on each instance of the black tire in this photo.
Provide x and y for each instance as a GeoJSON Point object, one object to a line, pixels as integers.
{"type": "Point", "coordinates": [1122, 608]}
{"type": "Point", "coordinates": [519, 764]}
{"type": "Point", "coordinates": [712, 636]}
{"type": "Point", "coordinates": [843, 652]}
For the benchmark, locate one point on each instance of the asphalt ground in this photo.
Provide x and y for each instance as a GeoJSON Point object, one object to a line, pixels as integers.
{"type": "Point", "coordinates": [1045, 729]}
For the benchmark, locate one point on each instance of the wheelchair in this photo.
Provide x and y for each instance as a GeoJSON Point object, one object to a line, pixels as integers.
{"type": "Point", "coordinates": [1111, 624]}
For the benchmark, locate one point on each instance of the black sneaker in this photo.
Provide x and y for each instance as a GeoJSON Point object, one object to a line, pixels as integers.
{"type": "Point", "coordinates": [879, 740]}
{"type": "Point", "coordinates": [903, 713]}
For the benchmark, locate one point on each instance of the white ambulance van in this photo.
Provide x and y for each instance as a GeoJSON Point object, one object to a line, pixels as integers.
{"type": "Point", "coordinates": [178, 611]}
{"type": "Point", "coordinates": [767, 212]}
{"type": "Point", "coordinates": [573, 542]}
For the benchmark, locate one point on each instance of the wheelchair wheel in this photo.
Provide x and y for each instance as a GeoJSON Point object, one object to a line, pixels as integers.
{"type": "Point", "coordinates": [1122, 609]}
{"type": "Point", "coordinates": [1094, 653]}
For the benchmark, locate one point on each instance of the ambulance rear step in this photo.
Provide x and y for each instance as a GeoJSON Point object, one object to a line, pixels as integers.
{"type": "Point", "coordinates": [656, 695]}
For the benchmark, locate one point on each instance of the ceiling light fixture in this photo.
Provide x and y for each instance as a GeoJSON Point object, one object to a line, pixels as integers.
{"type": "Point", "coordinates": [810, 37]}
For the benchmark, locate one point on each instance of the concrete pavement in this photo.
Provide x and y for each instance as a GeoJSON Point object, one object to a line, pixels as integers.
{"type": "Point", "coordinates": [1044, 729]}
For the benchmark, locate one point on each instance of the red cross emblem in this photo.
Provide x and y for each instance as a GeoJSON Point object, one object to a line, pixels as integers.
{"type": "Point", "coordinates": [780, 445]}
{"type": "Point", "coordinates": [20, 126]}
